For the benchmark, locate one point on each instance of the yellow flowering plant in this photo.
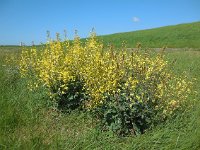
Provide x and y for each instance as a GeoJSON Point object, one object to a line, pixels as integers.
{"type": "Point", "coordinates": [129, 91]}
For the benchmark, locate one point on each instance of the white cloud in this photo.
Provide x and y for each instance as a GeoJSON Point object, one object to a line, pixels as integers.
{"type": "Point", "coordinates": [136, 19]}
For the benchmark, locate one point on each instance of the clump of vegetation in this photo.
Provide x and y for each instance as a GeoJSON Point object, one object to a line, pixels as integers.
{"type": "Point", "coordinates": [129, 92]}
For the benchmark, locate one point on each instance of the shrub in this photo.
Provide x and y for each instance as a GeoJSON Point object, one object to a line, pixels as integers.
{"type": "Point", "coordinates": [129, 91]}
{"type": "Point", "coordinates": [73, 96]}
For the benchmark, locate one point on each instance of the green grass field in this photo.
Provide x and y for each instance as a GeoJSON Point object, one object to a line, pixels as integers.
{"type": "Point", "coordinates": [27, 122]}
{"type": "Point", "coordinates": [177, 36]}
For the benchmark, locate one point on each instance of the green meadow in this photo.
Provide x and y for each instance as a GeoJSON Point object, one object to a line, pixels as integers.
{"type": "Point", "coordinates": [177, 36]}
{"type": "Point", "coordinates": [26, 121]}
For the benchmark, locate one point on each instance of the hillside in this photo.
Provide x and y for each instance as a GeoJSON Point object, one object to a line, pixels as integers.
{"type": "Point", "coordinates": [176, 36]}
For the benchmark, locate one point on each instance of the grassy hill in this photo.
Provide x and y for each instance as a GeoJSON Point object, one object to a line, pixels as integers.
{"type": "Point", "coordinates": [176, 36]}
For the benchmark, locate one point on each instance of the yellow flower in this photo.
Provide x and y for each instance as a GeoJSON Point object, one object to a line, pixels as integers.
{"type": "Point", "coordinates": [104, 71]}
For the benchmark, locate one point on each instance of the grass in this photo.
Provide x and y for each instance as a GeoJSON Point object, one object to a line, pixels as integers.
{"type": "Point", "coordinates": [27, 123]}
{"type": "Point", "coordinates": [177, 36]}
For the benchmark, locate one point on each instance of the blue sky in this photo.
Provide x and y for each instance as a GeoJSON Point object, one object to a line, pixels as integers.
{"type": "Point", "coordinates": [28, 20]}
